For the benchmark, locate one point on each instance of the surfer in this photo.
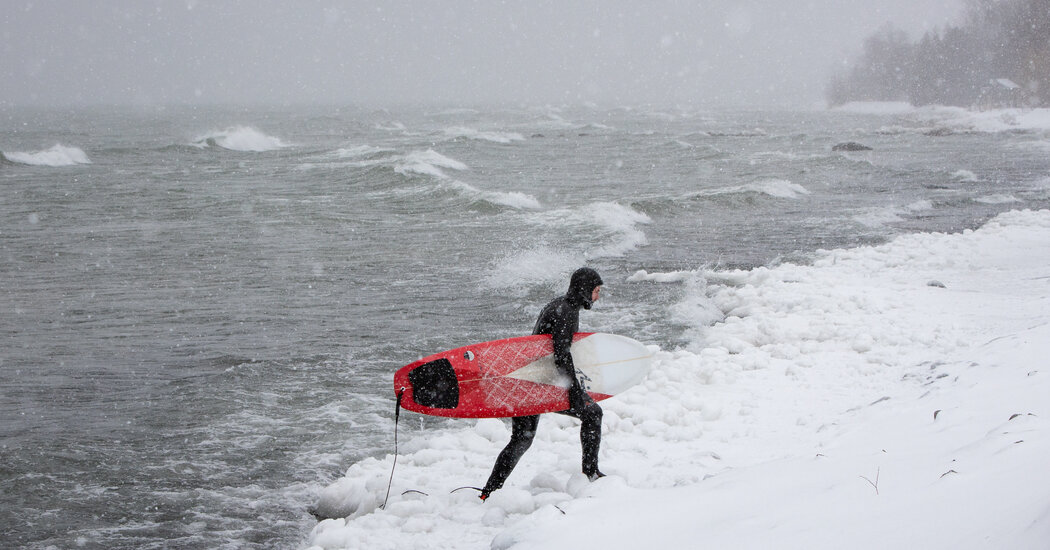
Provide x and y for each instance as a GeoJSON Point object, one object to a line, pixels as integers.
{"type": "Point", "coordinates": [561, 319]}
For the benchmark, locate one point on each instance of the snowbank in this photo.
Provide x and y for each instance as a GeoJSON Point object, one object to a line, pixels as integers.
{"type": "Point", "coordinates": [945, 119]}
{"type": "Point", "coordinates": [883, 397]}
{"type": "Point", "coordinates": [876, 107]}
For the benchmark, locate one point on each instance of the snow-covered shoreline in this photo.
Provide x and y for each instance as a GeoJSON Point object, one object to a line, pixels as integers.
{"type": "Point", "coordinates": [881, 397]}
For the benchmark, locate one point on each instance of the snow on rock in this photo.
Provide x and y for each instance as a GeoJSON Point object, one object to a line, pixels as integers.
{"type": "Point", "coordinates": [843, 404]}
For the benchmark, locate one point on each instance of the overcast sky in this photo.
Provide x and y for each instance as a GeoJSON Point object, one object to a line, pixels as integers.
{"type": "Point", "coordinates": [614, 51]}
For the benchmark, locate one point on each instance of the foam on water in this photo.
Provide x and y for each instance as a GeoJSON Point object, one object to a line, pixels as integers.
{"type": "Point", "coordinates": [57, 155]}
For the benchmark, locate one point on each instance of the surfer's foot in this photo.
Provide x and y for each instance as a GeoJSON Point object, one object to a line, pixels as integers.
{"type": "Point", "coordinates": [485, 494]}
{"type": "Point", "coordinates": [594, 475]}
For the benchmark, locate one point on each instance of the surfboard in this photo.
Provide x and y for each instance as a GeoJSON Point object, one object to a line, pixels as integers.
{"type": "Point", "coordinates": [517, 376]}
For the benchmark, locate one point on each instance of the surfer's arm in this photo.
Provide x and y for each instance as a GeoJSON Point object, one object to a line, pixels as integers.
{"type": "Point", "coordinates": [562, 339]}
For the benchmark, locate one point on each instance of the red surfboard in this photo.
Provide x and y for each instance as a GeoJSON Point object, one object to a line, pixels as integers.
{"type": "Point", "coordinates": [517, 376]}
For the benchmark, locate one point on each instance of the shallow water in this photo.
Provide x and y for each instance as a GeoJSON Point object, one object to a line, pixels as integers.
{"type": "Point", "coordinates": [201, 322]}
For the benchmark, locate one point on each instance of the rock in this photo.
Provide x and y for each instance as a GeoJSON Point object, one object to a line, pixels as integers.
{"type": "Point", "coordinates": [939, 132]}
{"type": "Point", "coordinates": [851, 146]}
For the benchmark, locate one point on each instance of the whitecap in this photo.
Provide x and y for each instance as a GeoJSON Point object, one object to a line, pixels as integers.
{"type": "Point", "coordinates": [998, 198]}
{"type": "Point", "coordinates": [964, 176]}
{"type": "Point", "coordinates": [391, 127]}
{"type": "Point", "coordinates": [782, 189]}
{"type": "Point", "coordinates": [622, 222]}
{"type": "Point", "coordinates": [359, 151]}
{"type": "Point", "coordinates": [880, 216]}
{"type": "Point", "coordinates": [240, 138]}
{"type": "Point", "coordinates": [427, 163]}
{"type": "Point", "coordinates": [605, 222]}
{"type": "Point", "coordinates": [58, 155]}
{"type": "Point", "coordinates": [456, 111]}
{"type": "Point", "coordinates": [513, 199]}
{"type": "Point", "coordinates": [920, 206]}
{"type": "Point", "coordinates": [668, 277]}
{"type": "Point", "coordinates": [495, 137]}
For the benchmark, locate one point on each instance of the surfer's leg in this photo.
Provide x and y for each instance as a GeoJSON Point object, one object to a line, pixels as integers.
{"type": "Point", "coordinates": [591, 438]}
{"type": "Point", "coordinates": [523, 429]}
{"type": "Point", "coordinates": [590, 415]}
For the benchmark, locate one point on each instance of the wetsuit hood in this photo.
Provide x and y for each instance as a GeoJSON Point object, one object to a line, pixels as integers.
{"type": "Point", "coordinates": [581, 285]}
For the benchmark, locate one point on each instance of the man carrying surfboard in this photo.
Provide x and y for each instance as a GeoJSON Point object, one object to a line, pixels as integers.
{"type": "Point", "coordinates": [561, 319]}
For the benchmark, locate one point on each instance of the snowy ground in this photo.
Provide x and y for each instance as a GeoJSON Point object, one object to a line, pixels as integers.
{"type": "Point", "coordinates": [882, 397]}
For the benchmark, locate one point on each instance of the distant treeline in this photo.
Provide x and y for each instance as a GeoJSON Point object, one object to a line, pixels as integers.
{"type": "Point", "coordinates": [998, 57]}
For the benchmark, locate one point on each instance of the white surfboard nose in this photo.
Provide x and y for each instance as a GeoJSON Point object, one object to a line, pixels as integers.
{"type": "Point", "coordinates": [605, 363]}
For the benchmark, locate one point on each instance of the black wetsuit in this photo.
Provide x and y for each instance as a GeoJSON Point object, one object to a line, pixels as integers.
{"type": "Point", "coordinates": [561, 319]}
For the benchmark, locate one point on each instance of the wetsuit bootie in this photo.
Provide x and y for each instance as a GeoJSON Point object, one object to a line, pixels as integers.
{"type": "Point", "coordinates": [593, 476]}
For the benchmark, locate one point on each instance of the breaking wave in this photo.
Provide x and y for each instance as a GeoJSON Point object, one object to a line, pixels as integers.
{"type": "Point", "coordinates": [426, 163]}
{"type": "Point", "coordinates": [432, 164]}
{"type": "Point", "coordinates": [781, 189]}
{"type": "Point", "coordinates": [601, 230]}
{"type": "Point", "coordinates": [997, 198]}
{"type": "Point", "coordinates": [240, 138]}
{"type": "Point", "coordinates": [494, 137]}
{"type": "Point", "coordinates": [964, 176]}
{"type": "Point", "coordinates": [878, 217]}
{"type": "Point", "coordinates": [513, 199]}
{"type": "Point", "coordinates": [358, 151]}
{"type": "Point", "coordinates": [59, 155]}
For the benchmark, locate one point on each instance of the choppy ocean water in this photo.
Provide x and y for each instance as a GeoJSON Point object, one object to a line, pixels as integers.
{"type": "Point", "coordinates": [203, 308]}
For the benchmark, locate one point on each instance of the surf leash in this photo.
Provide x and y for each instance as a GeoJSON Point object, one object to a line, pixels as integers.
{"type": "Point", "coordinates": [484, 496]}
{"type": "Point", "coordinates": [397, 416]}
